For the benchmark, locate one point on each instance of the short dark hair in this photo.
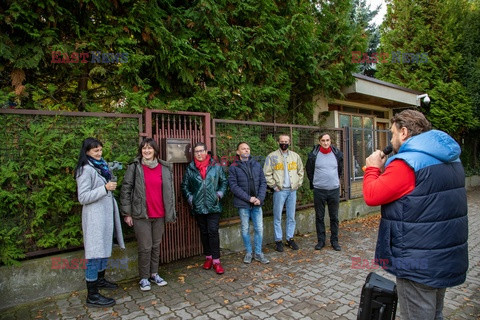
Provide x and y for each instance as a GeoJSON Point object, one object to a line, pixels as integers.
{"type": "Point", "coordinates": [200, 144]}
{"type": "Point", "coordinates": [324, 134]}
{"type": "Point", "coordinates": [152, 143]}
{"type": "Point", "coordinates": [240, 143]}
{"type": "Point", "coordinates": [413, 120]}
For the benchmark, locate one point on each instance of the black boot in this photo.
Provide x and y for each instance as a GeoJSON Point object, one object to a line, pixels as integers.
{"type": "Point", "coordinates": [95, 299]}
{"type": "Point", "coordinates": [105, 284]}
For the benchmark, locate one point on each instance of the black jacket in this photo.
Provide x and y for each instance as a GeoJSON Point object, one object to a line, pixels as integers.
{"type": "Point", "coordinates": [241, 185]}
{"type": "Point", "coordinates": [312, 157]}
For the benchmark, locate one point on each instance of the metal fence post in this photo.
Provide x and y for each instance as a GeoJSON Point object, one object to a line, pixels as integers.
{"type": "Point", "coordinates": [348, 156]}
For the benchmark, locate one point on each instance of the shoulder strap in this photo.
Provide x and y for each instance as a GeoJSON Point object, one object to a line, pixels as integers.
{"type": "Point", "coordinates": [134, 172]}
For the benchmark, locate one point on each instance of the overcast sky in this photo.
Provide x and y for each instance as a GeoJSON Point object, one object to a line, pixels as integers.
{"type": "Point", "coordinates": [381, 13]}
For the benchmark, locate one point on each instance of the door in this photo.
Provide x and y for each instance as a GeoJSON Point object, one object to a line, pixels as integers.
{"type": "Point", "coordinates": [182, 238]}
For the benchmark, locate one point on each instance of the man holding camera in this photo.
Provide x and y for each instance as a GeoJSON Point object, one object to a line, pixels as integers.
{"type": "Point", "coordinates": [423, 231]}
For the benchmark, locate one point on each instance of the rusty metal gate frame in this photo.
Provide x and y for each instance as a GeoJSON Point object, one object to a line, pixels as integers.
{"type": "Point", "coordinates": [182, 238]}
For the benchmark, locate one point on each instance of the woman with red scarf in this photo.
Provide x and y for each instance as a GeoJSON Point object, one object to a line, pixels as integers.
{"type": "Point", "coordinates": [203, 185]}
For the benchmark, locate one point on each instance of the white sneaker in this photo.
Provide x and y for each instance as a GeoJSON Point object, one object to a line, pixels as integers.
{"type": "Point", "coordinates": [158, 280]}
{"type": "Point", "coordinates": [145, 285]}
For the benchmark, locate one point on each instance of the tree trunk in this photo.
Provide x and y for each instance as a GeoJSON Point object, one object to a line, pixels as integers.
{"type": "Point", "coordinates": [82, 86]}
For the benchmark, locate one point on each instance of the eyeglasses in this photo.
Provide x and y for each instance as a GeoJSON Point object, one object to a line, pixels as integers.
{"type": "Point", "coordinates": [199, 151]}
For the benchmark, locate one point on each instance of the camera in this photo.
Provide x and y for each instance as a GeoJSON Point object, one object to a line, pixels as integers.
{"type": "Point", "coordinates": [423, 98]}
{"type": "Point", "coordinates": [114, 166]}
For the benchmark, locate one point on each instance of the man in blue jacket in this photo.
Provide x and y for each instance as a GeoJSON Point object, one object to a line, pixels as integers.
{"type": "Point", "coordinates": [423, 232]}
{"type": "Point", "coordinates": [248, 185]}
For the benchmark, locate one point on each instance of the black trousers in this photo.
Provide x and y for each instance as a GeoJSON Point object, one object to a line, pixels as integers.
{"type": "Point", "coordinates": [208, 224]}
{"type": "Point", "coordinates": [331, 198]}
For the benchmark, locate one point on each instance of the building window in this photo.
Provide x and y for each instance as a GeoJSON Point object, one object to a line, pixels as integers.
{"type": "Point", "coordinates": [362, 140]}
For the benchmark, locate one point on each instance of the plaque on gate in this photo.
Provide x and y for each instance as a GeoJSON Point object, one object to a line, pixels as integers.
{"type": "Point", "coordinates": [178, 150]}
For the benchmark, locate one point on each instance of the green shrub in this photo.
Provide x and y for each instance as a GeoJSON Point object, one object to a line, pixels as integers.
{"type": "Point", "coordinates": [38, 200]}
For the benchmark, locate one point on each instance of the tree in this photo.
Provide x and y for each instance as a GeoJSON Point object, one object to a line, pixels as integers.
{"type": "Point", "coordinates": [429, 27]}
{"type": "Point", "coordinates": [468, 44]}
{"type": "Point", "coordinates": [362, 15]}
{"type": "Point", "coordinates": [242, 59]}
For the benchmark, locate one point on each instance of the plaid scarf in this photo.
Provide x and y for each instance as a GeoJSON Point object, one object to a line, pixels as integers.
{"type": "Point", "coordinates": [101, 166]}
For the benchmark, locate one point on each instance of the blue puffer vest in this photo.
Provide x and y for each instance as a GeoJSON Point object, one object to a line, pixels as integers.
{"type": "Point", "coordinates": [423, 235]}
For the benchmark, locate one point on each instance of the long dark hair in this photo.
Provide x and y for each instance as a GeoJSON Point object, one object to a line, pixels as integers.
{"type": "Point", "coordinates": [87, 144]}
{"type": "Point", "coordinates": [151, 143]}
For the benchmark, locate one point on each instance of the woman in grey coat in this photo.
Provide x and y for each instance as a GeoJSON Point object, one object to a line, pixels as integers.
{"type": "Point", "coordinates": [147, 201]}
{"type": "Point", "coordinates": [100, 219]}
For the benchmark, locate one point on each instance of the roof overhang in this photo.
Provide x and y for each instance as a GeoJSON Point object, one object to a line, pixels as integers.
{"type": "Point", "coordinates": [371, 91]}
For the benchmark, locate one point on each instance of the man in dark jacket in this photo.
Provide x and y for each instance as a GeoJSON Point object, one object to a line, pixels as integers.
{"type": "Point", "coordinates": [248, 185]}
{"type": "Point", "coordinates": [424, 227]}
{"type": "Point", "coordinates": [324, 168]}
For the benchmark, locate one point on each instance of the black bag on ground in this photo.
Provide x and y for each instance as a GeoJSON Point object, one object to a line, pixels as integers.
{"type": "Point", "coordinates": [379, 299]}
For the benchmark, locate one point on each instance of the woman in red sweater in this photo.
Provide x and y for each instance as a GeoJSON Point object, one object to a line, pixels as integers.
{"type": "Point", "coordinates": [147, 202]}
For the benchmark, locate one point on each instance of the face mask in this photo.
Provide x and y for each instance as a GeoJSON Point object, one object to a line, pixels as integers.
{"type": "Point", "coordinates": [283, 146]}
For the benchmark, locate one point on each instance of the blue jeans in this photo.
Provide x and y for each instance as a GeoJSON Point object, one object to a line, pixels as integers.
{"type": "Point", "coordinates": [289, 199]}
{"type": "Point", "coordinates": [419, 301]}
{"type": "Point", "coordinates": [256, 215]}
{"type": "Point", "coordinates": [94, 266]}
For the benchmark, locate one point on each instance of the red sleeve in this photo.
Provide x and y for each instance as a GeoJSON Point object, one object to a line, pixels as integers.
{"type": "Point", "coordinates": [397, 180]}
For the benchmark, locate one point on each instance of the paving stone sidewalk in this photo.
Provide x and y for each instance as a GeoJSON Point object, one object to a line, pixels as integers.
{"type": "Point", "coordinates": [303, 284]}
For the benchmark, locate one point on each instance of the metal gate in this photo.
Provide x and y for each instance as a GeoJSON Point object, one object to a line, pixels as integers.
{"type": "Point", "coordinates": [182, 238]}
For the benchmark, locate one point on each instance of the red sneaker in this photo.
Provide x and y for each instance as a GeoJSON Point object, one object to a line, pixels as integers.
{"type": "Point", "coordinates": [208, 264]}
{"type": "Point", "coordinates": [218, 268]}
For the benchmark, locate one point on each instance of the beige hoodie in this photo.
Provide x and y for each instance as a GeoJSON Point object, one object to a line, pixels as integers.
{"type": "Point", "coordinates": [274, 171]}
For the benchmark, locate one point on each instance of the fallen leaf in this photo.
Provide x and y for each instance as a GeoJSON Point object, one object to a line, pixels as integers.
{"type": "Point", "coordinates": [226, 301]}
{"type": "Point", "coordinates": [154, 302]}
{"type": "Point", "coordinates": [188, 291]}
{"type": "Point", "coordinates": [279, 301]}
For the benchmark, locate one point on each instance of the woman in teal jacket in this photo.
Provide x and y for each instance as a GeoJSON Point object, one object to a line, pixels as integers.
{"type": "Point", "coordinates": [203, 185]}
